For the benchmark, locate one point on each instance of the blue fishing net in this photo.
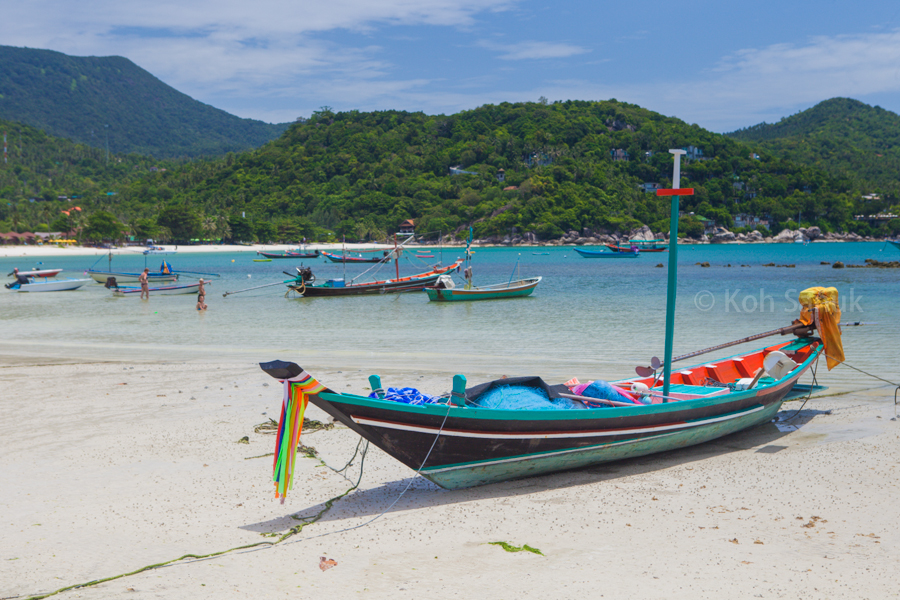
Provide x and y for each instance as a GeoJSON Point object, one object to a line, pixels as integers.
{"type": "Point", "coordinates": [518, 397]}
{"type": "Point", "coordinates": [603, 390]}
{"type": "Point", "coordinates": [408, 395]}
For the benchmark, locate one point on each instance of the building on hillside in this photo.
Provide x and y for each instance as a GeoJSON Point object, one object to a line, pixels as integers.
{"type": "Point", "coordinates": [876, 219]}
{"type": "Point", "coordinates": [407, 227]}
{"type": "Point", "coordinates": [649, 187]}
{"type": "Point", "coordinates": [693, 153]}
{"type": "Point", "coordinates": [751, 221]}
{"type": "Point", "coordinates": [501, 175]}
{"type": "Point", "coordinates": [618, 154]}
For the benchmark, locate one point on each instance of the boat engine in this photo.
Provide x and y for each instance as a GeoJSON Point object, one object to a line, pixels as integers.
{"type": "Point", "coordinates": [306, 274]}
{"type": "Point", "coordinates": [110, 283]}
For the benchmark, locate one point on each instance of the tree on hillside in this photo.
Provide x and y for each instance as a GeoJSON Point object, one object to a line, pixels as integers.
{"type": "Point", "coordinates": [182, 222]}
{"type": "Point", "coordinates": [103, 225]}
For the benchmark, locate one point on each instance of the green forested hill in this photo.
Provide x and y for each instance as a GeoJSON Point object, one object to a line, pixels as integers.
{"type": "Point", "coordinates": [39, 169]}
{"type": "Point", "coordinates": [564, 166]}
{"type": "Point", "coordinates": [86, 99]}
{"type": "Point", "coordinates": [840, 135]}
{"type": "Point", "coordinates": [363, 173]}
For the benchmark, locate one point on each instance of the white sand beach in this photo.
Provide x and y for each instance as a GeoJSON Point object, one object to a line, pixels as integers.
{"type": "Point", "coordinates": [10, 250]}
{"type": "Point", "coordinates": [110, 467]}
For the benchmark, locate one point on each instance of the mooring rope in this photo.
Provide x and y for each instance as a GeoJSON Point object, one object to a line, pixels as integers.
{"type": "Point", "coordinates": [249, 547]}
{"type": "Point", "coordinates": [291, 532]}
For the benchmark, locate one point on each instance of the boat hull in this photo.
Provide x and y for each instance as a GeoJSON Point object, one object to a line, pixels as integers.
{"type": "Point", "coordinates": [413, 283]}
{"type": "Point", "coordinates": [341, 258]}
{"type": "Point", "coordinates": [316, 291]}
{"type": "Point", "coordinates": [616, 248]}
{"type": "Point", "coordinates": [517, 289]}
{"type": "Point", "coordinates": [169, 290]}
{"type": "Point", "coordinates": [41, 273]}
{"type": "Point", "coordinates": [458, 447]}
{"type": "Point", "coordinates": [290, 254]}
{"type": "Point", "coordinates": [603, 254]}
{"type": "Point", "coordinates": [102, 276]}
{"type": "Point", "coordinates": [58, 285]}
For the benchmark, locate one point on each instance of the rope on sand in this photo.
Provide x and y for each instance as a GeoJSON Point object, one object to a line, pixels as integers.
{"type": "Point", "coordinates": [258, 545]}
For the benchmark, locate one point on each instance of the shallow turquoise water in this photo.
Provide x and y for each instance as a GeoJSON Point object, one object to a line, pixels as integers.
{"type": "Point", "coordinates": [587, 318]}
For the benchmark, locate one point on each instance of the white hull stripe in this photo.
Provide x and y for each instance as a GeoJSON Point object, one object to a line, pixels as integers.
{"type": "Point", "coordinates": [544, 455]}
{"type": "Point", "coordinates": [550, 436]}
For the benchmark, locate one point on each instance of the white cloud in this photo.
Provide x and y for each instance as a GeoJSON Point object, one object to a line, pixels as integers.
{"type": "Point", "coordinates": [207, 47]}
{"type": "Point", "coordinates": [763, 84]}
{"type": "Point", "coordinates": [532, 50]}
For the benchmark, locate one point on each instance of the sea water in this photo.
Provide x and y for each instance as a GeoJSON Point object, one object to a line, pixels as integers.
{"type": "Point", "coordinates": [590, 318]}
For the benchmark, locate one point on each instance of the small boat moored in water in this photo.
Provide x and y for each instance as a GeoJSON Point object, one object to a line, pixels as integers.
{"type": "Point", "coordinates": [349, 258]}
{"type": "Point", "coordinates": [289, 254]}
{"type": "Point", "coordinates": [36, 272]}
{"type": "Point", "coordinates": [607, 254]}
{"type": "Point", "coordinates": [302, 284]}
{"type": "Point", "coordinates": [642, 245]}
{"type": "Point", "coordinates": [165, 290]}
{"type": "Point", "coordinates": [56, 285]}
{"type": "Point", "coordinates": [445, 291]}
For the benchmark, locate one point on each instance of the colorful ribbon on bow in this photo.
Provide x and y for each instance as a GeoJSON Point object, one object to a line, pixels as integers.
{"type": "Point", "coordinates": [290, 425]}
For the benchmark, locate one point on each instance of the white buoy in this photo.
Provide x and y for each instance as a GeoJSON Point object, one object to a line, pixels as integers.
{"type": "Point", "coordinates": [249, 275]}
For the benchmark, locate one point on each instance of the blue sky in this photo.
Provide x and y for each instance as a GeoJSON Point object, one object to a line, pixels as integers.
{"type": "Point", "coordinates": [722, 65]}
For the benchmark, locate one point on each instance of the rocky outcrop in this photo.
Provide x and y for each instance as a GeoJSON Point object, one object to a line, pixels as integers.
{"type": "Point", "coordinates": [723, 237]}
{"type": "Point", "coordinates": [786, 237]}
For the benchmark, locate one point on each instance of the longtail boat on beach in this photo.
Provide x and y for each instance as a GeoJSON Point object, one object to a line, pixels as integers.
{"type": "Point", "coordinates": [456, 442]}
{"type": "Point", "coordinates": [520, 426]}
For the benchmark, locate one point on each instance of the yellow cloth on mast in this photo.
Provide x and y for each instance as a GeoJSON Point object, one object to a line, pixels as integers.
{"type": "Point", "coordinates": [829, 318]}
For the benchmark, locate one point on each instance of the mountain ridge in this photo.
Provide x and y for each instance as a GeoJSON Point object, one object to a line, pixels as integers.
{"type": "Point", "coordinates": [110, 102]}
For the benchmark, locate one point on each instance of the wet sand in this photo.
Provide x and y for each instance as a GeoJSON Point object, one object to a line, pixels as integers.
{"type": "Point", "coordinates": [108, 468]}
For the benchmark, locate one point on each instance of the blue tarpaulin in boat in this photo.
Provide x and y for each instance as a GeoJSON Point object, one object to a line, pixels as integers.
{"type": "Point", "coordinates": [519, 397]}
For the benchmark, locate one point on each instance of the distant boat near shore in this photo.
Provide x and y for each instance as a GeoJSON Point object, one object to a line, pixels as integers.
{"type": "Point", "coordinates": [607, 254]}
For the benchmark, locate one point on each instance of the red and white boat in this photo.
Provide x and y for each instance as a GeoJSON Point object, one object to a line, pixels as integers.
{"type": "Point", "coordinates": [39, 273]}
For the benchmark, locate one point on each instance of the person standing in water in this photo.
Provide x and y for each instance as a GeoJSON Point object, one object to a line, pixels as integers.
{"type": "Point", "coordinates": [201, 297]}
{"type": "Point", "coordinates": [145, 284]}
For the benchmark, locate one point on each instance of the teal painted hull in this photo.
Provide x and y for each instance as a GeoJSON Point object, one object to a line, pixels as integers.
{"type": "Point", "coordinates": [461, 444]}
{"type": "Point", "coordinates": [494, 292]}
{"type": "Point", "coordinates": [464, 476]}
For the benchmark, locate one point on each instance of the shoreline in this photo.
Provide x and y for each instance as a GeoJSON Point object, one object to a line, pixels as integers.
{"type": "Point", "coordinates": [15, 251]}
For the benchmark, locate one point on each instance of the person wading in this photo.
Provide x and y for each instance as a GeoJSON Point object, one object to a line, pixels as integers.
{"type": "Point", "coordinates": [201, 297]}
{"type": "Point", "coordinates": [145, 284]}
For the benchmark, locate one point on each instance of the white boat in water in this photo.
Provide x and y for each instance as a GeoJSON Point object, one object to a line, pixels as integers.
{"type": "Point", "coordinates": [57, 285]}
{"type": "Point", "coordinates": [165, 290]}
{"type": "Point", "coordinates": [157, 250]}
{"type": "Point", "coordinates": [102, 276]}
